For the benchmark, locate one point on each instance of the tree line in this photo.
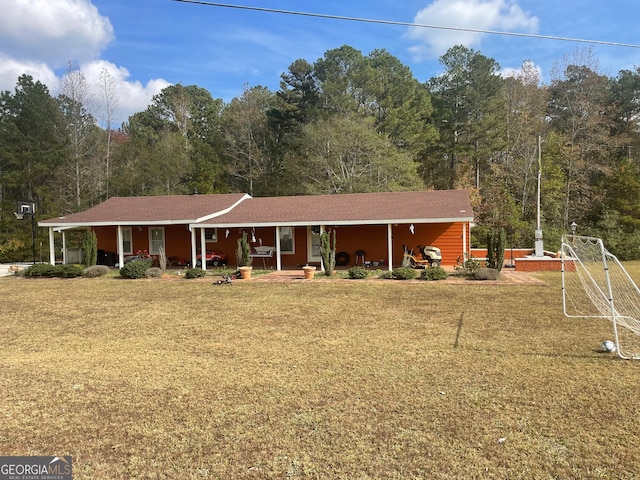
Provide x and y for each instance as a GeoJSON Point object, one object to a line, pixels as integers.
{"type": "Point", "coordinates": [346, 123]}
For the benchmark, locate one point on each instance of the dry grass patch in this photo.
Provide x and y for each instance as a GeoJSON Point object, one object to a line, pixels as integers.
{"type": "Point", "coordinates": [353, 380]}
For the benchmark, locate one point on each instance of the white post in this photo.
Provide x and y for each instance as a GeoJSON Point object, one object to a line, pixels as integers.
{"type": "Point", "coordinates": [64, 248]}
{"type": "Point", "coordinates": [390, 245]}
{"type": "Point", "coordinates": [278, 253]}
{"type": "Point", "coordinates": [52, 247]}
{"type": "Point", "coordinates": [539, 244]}
{"type": "Point", "coordinates": [465, 250]}
{"type": "Point", "coordinates": [193, 247]}
{"type": "Point", "coordinates": [120, 247]}
{"type": "Point", "coordinates": [203, 250]}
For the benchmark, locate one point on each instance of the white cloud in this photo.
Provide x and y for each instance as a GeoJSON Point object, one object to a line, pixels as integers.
{"type": "Point", "coordinates": [11, 69]}
{"type": "Point", "coordinates": [496, 15]}
{"type": "Point", "coordinates": [38, 37]}
{"type": "Point", "coordinates": [131, 96]}
{"type": "Point", "coordinates": [53, 31]}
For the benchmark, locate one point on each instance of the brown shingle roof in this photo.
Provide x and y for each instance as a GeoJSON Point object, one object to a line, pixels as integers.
{"type": "Point", "coordinates": [242, 210]}
{"type": "Point", "coordinates": [389, 207]}
{"type": "Point", "coordinates": [152, 210]}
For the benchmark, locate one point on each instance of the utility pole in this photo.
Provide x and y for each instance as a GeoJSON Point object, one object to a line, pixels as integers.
{"type": "Point", "coordinates": [539, 244]}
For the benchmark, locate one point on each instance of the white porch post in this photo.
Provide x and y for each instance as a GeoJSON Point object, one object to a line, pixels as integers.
{"type": "Point", "coordinates": [278, 259]}
{"type": "Point", "coordinates": [193, 246]}
{"type": "Point", "coordinates": [64, 248]}
{"type": "Point", "coordinates": [120, 247]}
{"type": "Point", "coordinates": [203, 250]}
{"type": "Point", "coordinates": [465, 250]}
{"type": "Point", "coordinates": [321, 262]}
{"type": "Point", "coordinates": [52, 247]}
{"type": "Point", "coordinates": [390, 245]}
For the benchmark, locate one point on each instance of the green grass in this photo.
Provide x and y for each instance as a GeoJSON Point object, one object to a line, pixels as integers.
{"type": "Point", "coordinates": [319, 379]}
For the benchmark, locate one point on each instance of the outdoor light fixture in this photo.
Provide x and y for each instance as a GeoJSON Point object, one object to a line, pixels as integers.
{"type": "Point", "coordinates": [574, 227]}
{"type": "Point", "coordinates": [28, 208]}
{"type": "Point", "coordinates": [412, 229]}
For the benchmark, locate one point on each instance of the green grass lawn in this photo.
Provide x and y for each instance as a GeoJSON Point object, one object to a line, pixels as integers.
{"type": "Point", "coordinates": [348, 380]}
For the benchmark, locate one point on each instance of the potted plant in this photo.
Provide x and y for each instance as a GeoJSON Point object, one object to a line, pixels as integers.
{"type": "Point", "coordinates": [244, 257]}
{"type": "Point", "coordinates": [309, 271]}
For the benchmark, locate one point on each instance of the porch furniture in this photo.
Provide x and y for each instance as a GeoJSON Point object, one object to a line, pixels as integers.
{"type": "Point", "coordinates": [262, 252]}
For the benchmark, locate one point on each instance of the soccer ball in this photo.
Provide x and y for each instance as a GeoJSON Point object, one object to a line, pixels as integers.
{"type": "Point", "coordinates": [608, 346]}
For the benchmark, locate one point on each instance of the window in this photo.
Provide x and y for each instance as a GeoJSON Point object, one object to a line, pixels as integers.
{"type": "Point", "coordinates": [127, 244]}
{"type": "Point", "coordinates": [211, 234]}
{"type": "Point", "coordinates": [156, 240]}
{"type": "Point", "coordinates": [287, 240]}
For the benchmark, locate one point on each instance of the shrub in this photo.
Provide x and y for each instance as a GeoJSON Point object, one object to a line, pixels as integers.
{"type": "Point", "coordinates": [89, 248]}
{"type": "Point", "coordinates": [467, 267]}
{"type": "Point", "coordinates": [243, 252]}
{"type": "Point", "coordinates": [45, 270]}
{"type": "Point", "coordinates": [96, 271]}
{"type": "Point", "coordinates": [194, 273]}
{"type": "Point", "coordinates": [387, 275]}
{"type": "Point", "coordinates": [154, 272]}
{"type": "Point", "coordinates": [328, 248]}
{"type": "Point", "coordinates": [69, 271]}
{"type": "Point", "coordinates": [358, 273]}
{"type": "Point", "coordinates": [434, 273]}
{"type": "Point", "coordinates": [403, 273]}
{"type": "Point", "coordinates": [41, 270]}
{"type": "Point", "coordinates": [486, 274]}
{"type": "Point", "coordinates": [135, 269]}
{"type": "Point", "coordinates": [496, 240]}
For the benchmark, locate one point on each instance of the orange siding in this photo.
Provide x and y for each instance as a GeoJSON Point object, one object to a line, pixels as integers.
{"type": "Point", "coordinates": [370, 238]}
{"type": "Point", "coordinates": [447, 237]}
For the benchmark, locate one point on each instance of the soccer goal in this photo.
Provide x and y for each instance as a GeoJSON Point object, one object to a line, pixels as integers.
{"type": "Point", "coordinates": [596, 285]}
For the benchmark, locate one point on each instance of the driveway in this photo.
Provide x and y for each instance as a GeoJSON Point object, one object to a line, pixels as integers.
{"type": "Point", "coordinates": [4, 268]}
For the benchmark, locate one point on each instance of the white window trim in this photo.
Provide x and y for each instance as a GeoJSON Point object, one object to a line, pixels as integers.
{"type": "Point", "coordinates": [293, 242]}
{"type": "Point", "coordinates": [211, 240]}
{"type": "Point", "coordinates": [151, 251]}
{"type": "Point", "coordinates": [125, 231]}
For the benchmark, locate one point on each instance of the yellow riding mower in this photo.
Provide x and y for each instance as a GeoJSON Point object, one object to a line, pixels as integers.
{"type": "Point", "coordinates": [427, 256]}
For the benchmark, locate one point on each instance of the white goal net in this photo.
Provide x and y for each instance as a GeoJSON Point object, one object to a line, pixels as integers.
{"type": "Point", "coordinates": [596, 285]}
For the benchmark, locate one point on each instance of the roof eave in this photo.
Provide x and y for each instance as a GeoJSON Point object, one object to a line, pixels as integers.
{"type": "Point", "coordinates": [329, 222]}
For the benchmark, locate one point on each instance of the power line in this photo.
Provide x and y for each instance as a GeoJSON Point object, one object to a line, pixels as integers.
{"type": "Point", "coordinates": [408, 24]}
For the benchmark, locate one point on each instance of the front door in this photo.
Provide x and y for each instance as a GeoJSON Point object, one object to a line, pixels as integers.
{"type": "Point", "coordinates": [314, 252]}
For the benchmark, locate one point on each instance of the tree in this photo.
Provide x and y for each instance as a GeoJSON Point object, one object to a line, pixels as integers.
{"type": "Point", "coordinates": [31, 150]}
{"type": "Point", "coordinates": [524, 107]}
{"type": "Point", "coordinates": [467, 111]}
{"type": "Point", "coordinates": [109, 101]}
{"type": "Point", "coordinates": [347, 155]}
{"type": "Point", "coordinates": [32, 147]}
{"type": "Point", "coordinates": [81, 176]}
{"type": "Point", "coordinates": [580, 108]}
{"type": "Point", "coordinates": [180, 129]}
{"type": "Point", "coordinates": [250, 145]}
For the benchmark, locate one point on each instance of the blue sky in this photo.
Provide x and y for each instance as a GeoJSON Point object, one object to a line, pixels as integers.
{"type": "Point", "coordinates": [146, 45]}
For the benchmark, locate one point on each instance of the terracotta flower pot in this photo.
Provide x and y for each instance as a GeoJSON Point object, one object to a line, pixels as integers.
{"type": "Point", "coordinates": [309, 271]}
{"type": "Point", "coordinates": [245, 272]}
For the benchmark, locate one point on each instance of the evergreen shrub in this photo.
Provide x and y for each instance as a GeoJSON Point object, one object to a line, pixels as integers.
{"type": "Point", "coordinates": [135, 269]}
{"type": "Point", "coordinates": [358, 273]}
{"type": "Point", "coordinates": [72, 270]}
{"type": "Point", "coordinates": [41, 270]}
{"type": "Point", "coordinates": [434, 273]}
{"type": "Point", "coordinates": [45, 270]}
{"type": "Point", "coordinates": [404, 273]}
{"type": "Point", "coordinates": [194, 273]}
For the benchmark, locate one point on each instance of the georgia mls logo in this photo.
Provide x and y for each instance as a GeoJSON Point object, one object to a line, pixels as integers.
{"type": "Point", "coordinates": [36, 468]}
